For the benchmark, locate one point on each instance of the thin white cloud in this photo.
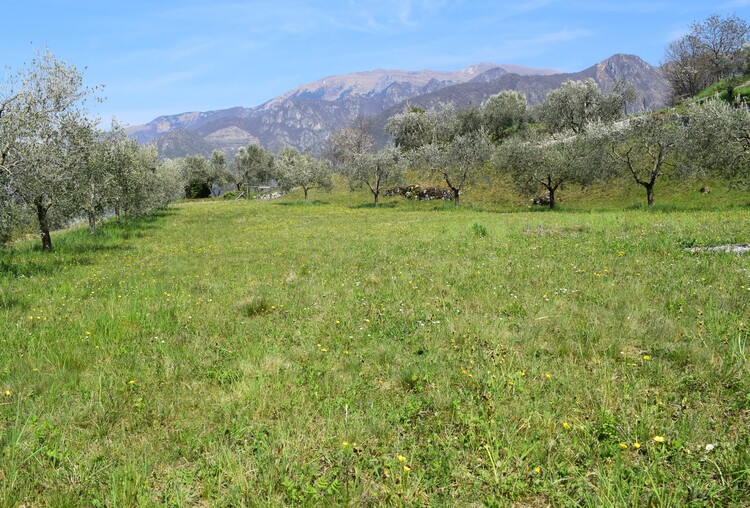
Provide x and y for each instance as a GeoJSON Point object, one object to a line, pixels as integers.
{"type": "Point", "coordinates": [161, 81]}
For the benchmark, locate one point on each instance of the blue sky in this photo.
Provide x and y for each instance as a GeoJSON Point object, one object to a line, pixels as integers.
{"type": "Point", "coordinates": [166, 57]}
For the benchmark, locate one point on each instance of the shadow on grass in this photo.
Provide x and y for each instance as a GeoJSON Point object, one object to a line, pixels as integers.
{"type": "Point", "coordinates": [391, 204]}
{"type": "Point", "coordinates": [76, 247]}
{"type": "Point", "coordinates": [303, 203]}
{"type": "Point", "coordinates": [657, 208]}
{"type": "Point", "coordinates": [28, 264]}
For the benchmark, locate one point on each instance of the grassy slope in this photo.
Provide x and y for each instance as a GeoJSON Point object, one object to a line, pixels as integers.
{"type": "Point", "coordinates": [223, 353]}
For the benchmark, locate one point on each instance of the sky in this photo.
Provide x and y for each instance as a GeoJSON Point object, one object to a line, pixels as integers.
{"type": "Point", "coordinates": [161, 57]}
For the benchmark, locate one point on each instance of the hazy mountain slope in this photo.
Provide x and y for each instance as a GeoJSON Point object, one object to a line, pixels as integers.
{"type": "Point", "coordinates": [306, 115]}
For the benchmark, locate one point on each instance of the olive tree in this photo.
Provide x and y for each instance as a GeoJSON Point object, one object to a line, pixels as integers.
{"type": "Point", "coordinates": [94, 183]}
{"type": "Point", "coordinates": [344, 144]}
{"type": "Point", "coordinates": [295, 169]}
{"type": "Point", "coordinates": [504, 114]}
{"type": "Point", "coordinates": [578, 103]}
{"type": "Point", "coordinates": [375, 170]}
{"type": "Point", "coordinates": [415, 126]}
{"type": "Point", "coordinates": [42, 107]}
{"type": "Point", "coordinates": [203, 176]}
{"type": "Point", "coordinates": [648, 146]}
{"type": "Point", "coordinates": [127, 166]}
{"type": "Point", "coordinates": [446, 143]}
{"type": "Point", "coordinates": [253, 164]}
{"type": "Point", "coordinates": [550, 162]}
{"type": "Point", "coordinates": [717, 141]}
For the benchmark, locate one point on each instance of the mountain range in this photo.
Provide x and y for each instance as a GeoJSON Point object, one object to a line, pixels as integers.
{"type": "Point", "coordinates": [306, 115]}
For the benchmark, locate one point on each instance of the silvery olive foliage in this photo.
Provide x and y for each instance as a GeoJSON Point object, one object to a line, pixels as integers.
{"type": "Point", "coordinates": [376, 170]}
{"type": "Point", "coordinates": [443, 142]}
{"type": "Point", "coordinates": [294, 169]}
{"type": "Point", "coordinates": [717, 141]}
{"type": "Point", "coordinates": [253, 164]}
{"type": "Point", "coordinates": [504, 114]}
{"type": "Point", "coordinates": [43, 121]}
{"type": "Point", "coordinates": [57, 166]}
{"type": "Point", "coordinates": [578, 103]}
{"type": "Point", "coordinates": [648, 146]}
{"type": "Point", "coordinates": [549, 162]}
{"type": "Point", "coordinates": [351, 151]}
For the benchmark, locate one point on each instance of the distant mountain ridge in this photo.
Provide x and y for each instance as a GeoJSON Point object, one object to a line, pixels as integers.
{"type": "Point", "coordinates": [306, 115]}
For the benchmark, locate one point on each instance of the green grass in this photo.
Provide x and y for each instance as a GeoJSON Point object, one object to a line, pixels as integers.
{"type": "Point", "coordinates": [742, 88]}
{"type": "Point", "coordinates": [222, 352]}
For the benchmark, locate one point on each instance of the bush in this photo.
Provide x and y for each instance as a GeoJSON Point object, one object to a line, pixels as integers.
{"type": "Point", "coordinates": [197, 189]}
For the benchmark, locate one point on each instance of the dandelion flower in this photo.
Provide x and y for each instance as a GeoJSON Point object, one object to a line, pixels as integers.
{"type": "Point", "coordinates": [623, 446]}
{"type": "Point", "coordinates": [537, 470]}
{"type": "Point", "coordinates": [131, 382]}
{"type": "Point", "coordinates": [659, 439]}
{"type": "Point", "coordinates": [646, 357]}
{"type": "Point", "coordinates": [401, 458]}
{"type": "Point", "coordinates": [7, 393]}
{"type": "Point", "coordinates": [547, 375]}
{"type": "Point", "coordinates": [407, 468]}
{"type": "Point", "coordinates": [636, 445]}
{"type": "Point", "coordinates": [566, 425]}
{"type": "Point", "coordinates": [345, 444]}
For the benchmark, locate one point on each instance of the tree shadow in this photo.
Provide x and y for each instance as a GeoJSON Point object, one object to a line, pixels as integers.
{"type": "Point", "coordinates": [391, 204]}
{"type": "Point", "coordinates": [303, 203]}
{"type": "Point", "coordinates": [77, 247]}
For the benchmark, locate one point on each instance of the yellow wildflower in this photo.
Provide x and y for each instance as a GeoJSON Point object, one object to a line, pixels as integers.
{"type": "Point", "coordinates": [659, 439]}
{"type": "Point", "coordinates": [401, 458]}
{"type": "Point", "coordinates": [407, 468]}
{"type": "Point", "coordinates": [636, 445]}
{"type": "Point", "coordinates": [623, 446]}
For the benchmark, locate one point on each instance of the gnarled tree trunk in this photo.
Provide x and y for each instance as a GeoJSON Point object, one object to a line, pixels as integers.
{"type": "Point", "coordinates": [42, 204]}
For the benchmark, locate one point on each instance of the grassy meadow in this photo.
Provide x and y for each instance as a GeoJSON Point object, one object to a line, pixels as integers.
{"type": "Point", "coordinates": [235, 353]}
